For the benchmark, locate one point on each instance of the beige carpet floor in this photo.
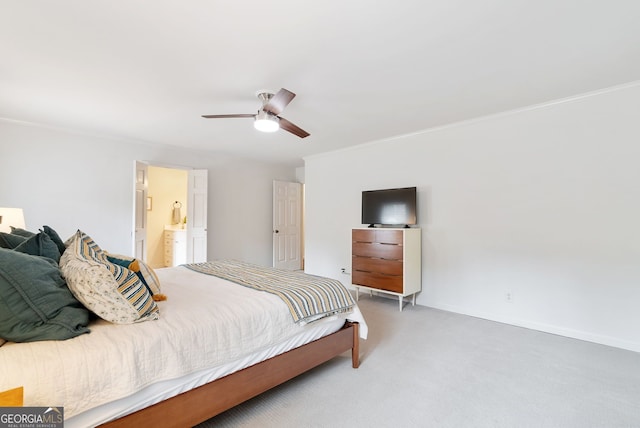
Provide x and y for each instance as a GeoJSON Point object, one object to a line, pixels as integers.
{"type": "Point", "coordinates": [429, 368]}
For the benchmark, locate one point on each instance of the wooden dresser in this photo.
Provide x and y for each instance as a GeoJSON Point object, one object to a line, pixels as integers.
{"type": "Point", "coordinates": [387, 260]}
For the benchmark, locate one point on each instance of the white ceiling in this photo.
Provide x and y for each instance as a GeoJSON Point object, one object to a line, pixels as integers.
{"type": "Point", "coordinates": [363, 70]}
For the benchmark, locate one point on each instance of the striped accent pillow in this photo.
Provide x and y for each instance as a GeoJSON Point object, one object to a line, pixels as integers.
{"type": "Point", "coordinates": [112, 292]}
{"type": "Point", "coordinates": [143, 270]}
{"type": "Point", "coordinates": [149, 277]}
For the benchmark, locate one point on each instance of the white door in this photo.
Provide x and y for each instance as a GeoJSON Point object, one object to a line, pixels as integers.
{"type": "Point", "coordinates": [140, 211]}
{"type": "Point", "coordinates": [197, 216]}
{"type": "Point", "coordinates": [287, 225]}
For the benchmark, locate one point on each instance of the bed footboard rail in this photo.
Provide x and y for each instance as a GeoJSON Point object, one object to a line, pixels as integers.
{"type": "Point", "coordinates": [197, 405]}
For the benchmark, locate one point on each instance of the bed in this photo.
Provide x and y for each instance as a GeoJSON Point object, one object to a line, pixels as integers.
{"type": "Point", "coordinates": [212, 344]}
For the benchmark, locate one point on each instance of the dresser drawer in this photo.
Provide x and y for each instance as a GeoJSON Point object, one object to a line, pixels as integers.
{"type": "Point", "coordinates": [387, 267]}
{"type": "Point", "coordinates": [374, 280]}
{"type": "Point", "coordinates": [377, 235]}
{"type": "Point", "coordinates": [380, 251]}
{"type": "Point", "coordinates": [389, 236]}
{"type": "Point", "coordinates": [358, 235]}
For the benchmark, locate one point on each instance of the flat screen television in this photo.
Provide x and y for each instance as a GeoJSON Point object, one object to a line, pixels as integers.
{"type": "Point", "coordinates": [392, 207]}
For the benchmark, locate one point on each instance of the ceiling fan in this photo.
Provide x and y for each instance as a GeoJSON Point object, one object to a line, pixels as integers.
{"type": "Point", "coordinates": [267, 119]}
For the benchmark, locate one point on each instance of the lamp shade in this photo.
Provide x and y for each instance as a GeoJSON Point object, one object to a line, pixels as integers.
{"type": "Point", "coordinates": [11, 217]}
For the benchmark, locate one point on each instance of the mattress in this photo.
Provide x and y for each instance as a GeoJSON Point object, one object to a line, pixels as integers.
{"type": "Point", "coordinates": [208, 328]}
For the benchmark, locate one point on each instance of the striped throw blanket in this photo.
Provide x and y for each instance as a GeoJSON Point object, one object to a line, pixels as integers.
{"type": "Point", "coordinates": [308, 297]}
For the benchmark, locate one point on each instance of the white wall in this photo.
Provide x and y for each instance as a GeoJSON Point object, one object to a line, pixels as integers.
{"type": "Point", "coordinates": [73, 181]}
{"type": "Point", "coordinates": [543, 203]}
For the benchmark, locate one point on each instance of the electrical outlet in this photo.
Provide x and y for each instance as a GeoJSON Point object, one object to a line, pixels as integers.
{"type": "Point", "coordinates": [508, 296]}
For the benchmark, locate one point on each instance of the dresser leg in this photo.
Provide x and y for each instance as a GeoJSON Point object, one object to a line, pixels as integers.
{"type": "Point", "coordinates": [400, 300]}
{"type": "Point", "coordinates": [414, 300]}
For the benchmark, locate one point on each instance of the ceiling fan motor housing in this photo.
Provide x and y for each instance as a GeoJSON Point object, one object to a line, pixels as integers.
{"type": "Point", "coordinates": [264, 95]}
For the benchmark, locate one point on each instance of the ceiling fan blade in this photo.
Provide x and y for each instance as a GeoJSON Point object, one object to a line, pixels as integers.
{"type": "Point", "coordinates": [290, 127]}
{"type": "Point", "coordinates": [279, 101]}
{"type": "Point", "coordinates": [224, 116]}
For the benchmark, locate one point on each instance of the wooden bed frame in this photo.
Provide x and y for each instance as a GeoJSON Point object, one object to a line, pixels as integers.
{"type": "Point", "coordinates": [197, 405]}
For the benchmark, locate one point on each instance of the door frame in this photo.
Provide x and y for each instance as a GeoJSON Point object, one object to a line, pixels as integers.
{"type": "Point", "coordinates": [283, 214]}
{"type": "Point", "coordinates": [143, 210]}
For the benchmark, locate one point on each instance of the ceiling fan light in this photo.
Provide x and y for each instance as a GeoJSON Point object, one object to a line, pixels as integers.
{"type": "Point", "coordinates": [266, 122]}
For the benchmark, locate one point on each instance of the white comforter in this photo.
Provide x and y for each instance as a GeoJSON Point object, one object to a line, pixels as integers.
{"type": "Point", "coordinates": [205, 322]}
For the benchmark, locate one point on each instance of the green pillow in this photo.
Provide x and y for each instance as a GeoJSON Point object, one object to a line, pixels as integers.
{"type": "Point", "coordinates": [35, 303]}
{"type": "Point", "coordinates": [21, 232]}
{"type": "Point", "coordinates": [120, 262]}
{"type": "Point", "coordinates": [40, 245]}
{"type": "Point", "coordinates": [10, 241]}
{"type": "Point", "coordinates": [55, 238]}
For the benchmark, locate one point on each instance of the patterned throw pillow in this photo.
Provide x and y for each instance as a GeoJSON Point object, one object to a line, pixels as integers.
{"type": "Point", "coordinates": [150, 279]}
{"type": "Point", "coordinates": [112, 292]}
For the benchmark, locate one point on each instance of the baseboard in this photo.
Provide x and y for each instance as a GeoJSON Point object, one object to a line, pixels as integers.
{"type": "Point", "coordinates": [547, 328]}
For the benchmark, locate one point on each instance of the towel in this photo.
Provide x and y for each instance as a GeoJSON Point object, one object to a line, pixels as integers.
{"type": "Point", "coordinates": [176, 216]}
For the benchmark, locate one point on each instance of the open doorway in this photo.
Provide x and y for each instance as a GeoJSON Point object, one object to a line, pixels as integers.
{"type": "Point", "coordinates": [170, 215]}
{"type": "Point", "coordinates": [167, 216]}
